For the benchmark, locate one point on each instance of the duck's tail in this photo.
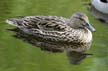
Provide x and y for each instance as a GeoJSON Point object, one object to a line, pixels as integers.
{"type": "Point", "coordinates": [14, 22]}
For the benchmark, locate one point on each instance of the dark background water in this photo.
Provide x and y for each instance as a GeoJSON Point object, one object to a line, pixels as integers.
{"type": "Point", "coordinates": [16, 55]}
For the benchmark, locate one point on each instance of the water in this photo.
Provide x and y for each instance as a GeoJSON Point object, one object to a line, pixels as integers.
{"type": "Point", "coordinates": [16, 55]}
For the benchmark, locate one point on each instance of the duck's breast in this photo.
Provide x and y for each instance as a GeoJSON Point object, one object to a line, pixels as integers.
{"type": "Point", "coordinates": [86, 36]}
{"type": "Point", "coordinates": [83, 41]}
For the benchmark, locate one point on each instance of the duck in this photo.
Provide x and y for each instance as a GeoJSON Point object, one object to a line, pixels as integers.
{"type": "Point", "coordinates": [72, 35]}
{"type": "Point", "coordinates": [101, 5]}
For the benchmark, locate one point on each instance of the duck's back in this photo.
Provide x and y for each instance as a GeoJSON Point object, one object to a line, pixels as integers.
{"type": "Point", "coordinates": [48, 23]}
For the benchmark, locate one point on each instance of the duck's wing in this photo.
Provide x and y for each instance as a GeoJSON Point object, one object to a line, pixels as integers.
{"type": "Point", "coordinates": [48, 23]}
{"type": "Point", "coordinates": [51, 28]}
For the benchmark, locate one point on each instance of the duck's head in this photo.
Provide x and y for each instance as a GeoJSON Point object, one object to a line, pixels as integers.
{"type": "Point", "coordinates": [80, 21]}
{"type": "Point", "coordinates": [76, 58]}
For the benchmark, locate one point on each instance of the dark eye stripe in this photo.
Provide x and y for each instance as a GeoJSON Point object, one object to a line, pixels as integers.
{"type": "Point", "coordinates": [80, 19]}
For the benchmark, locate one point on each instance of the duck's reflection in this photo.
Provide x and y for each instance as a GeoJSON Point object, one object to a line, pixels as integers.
{"type": "Point", "coordinates": [74, 57]}
{"type": "Point", "coordinates": [36, 41]}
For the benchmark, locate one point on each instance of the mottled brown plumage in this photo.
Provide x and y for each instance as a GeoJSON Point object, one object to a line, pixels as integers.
{"type": "Point", "coordinates": [57, 33]}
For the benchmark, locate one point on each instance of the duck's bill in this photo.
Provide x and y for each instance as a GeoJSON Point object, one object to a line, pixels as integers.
{"type": "Point", "coordinates": [90, 27]}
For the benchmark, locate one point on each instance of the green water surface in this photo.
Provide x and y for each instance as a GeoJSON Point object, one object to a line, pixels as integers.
{"type": "Point", "coordinates": [16, 55]}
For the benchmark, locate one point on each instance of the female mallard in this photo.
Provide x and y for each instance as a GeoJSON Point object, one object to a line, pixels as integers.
{"type": "Point", "coordinates": [74, 34]}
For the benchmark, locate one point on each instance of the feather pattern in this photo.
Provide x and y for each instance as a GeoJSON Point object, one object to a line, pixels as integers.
{"type": "Point", "coordinates": [57, 33]}
{"type": "Point", "coordinates": [51, 28]}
